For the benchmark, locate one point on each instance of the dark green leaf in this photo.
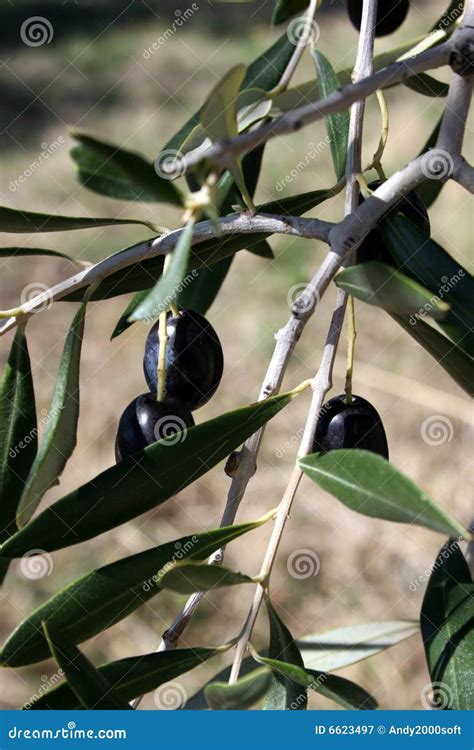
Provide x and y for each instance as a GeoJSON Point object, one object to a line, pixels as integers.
{"type": "Point", "coordinates": [447, 627]}
{"type": "Point", "coordinates": [341, 647]}
{"type": "Point", "coordinates": [123, 322]}
{"type": "Point", "coordinates": [18, 434]}
{"type": "Point", "coordinates": [205, 285]}
{"type": "Point", "coordinates": [113, 171]}
{"type": "Point", "coordinates": [347, 694]}
{"type": "Point", "coordinates": [264, 73]}
{"type": "Point", "coordinates": [285, 9]}
{"type": "Point", "coordinates": [457, 363]}
{"type": "Point", "coordinates": [187, 578]}
{"type": "Point", "coordinates": [429, 264]}
{"type": "Point", "coordinates": [427, 85]}
{"type": "Point", "coordinates": [337, 124]}
{"type": "Point", "coordinates": [105, 596]}
{"type": "Point", "coordinates": [19, 222]}
{"type": "Point", "coordinates": [134, 676]}
{"type": "Point", "coordinates": [285, 693]}
{"type": "Point", "coordinates": [369, 484]}
{"type": "Point", "coordinates": [59, 439]}
{"type": "Point", "coordinates": [198, 702]}
{"type": "Point", "coordinates": [88, 684]}
{"type": "Point", "coordinates": [209, 252]}
{"type": "Point", "coordinates": [18, 252]}
{"type": "Point", "coordinates": [168, 285]}
{"type": "Point", "coordinates": [383, 286]}
{"type": "Point", "coordinates": [262, 249]}
{"type": "Point", "coordinates": [142, 481]}
{"type": "Point", "coordinates": [242, 694]}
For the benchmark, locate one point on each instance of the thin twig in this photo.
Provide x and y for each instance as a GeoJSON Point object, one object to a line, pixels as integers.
{"type": "Point", "coordinates": [323, 379]}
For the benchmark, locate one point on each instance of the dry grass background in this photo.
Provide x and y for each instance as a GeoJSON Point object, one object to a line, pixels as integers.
{"type": "Point", "coordinates": [366, 565]}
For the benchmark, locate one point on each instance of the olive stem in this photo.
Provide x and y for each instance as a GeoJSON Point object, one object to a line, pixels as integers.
{"type": "Point", "coordinates": [303, 38]}
{"type": "Point", "coordinates": [322, 382]}
{"type": "Point", "coordinates": [351, 336]}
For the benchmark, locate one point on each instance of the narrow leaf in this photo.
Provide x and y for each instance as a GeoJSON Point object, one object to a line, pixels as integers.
{"type": "Point", "coordinates": [429, 264]}
{"type": "Point", "coordinates": [169, 284]}
{"type": "Point", "coordinates": [338, 689]}
{"type": "Point", "coordinates": [426, 85]}
{"type": "Point", "coordinates": [342, 647]}
{"type": "Point", "coordinates": [242, 694]}
{"type": "Point", "coordinates": [285, 9]}
{"type": "Point", "coordinates": [105, 596]}
{"type": "Point", "coordinates": [88, 511]}
{"type": "Point", "coordinates": [383, 286]}
{"type": "Point", "coordinates": [19, 252]}
{"type": "Point", "coordinates": [133, 676]}
{"type": "Point", "coordinates": [18, 434]}
{"type": "Point", "coordinates": [285, 693]}
{"type": "Point", "coordinates": [187, 578]}
{"type": "Point", "coordinates": [87, 683]}
{"type": "Point", "coordinates": [369, 484]}
{"type": "Point", "coordinates": [447, 627]}
{"type": "Point", "coordinates": [337, 124]}
{"type": "Point", "coordinates": [457, 363]}
{"type": "Point", "coordinates": [113, 171]}
{"type": "Point", "coordinates": [18, 222]}
{"type": "Point", "coordinates": [59, 439]}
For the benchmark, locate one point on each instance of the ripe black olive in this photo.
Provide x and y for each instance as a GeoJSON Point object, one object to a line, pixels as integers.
{"type": "Point", "coordinates": [194, 359]}
{"type": "Point", "coordinates": [390, 15]}
{"type": "Point", "coordinates": [373, 246]}
{"type": "Point", "coordinates": [354, 425]}
{"type": "Point", "coordinates": [146, 420]}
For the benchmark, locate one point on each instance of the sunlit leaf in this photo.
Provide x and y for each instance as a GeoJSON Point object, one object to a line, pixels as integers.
{"type": "Point", "coordinates": [368, 484]}
{"type": "Point", "coordinates": [187, 578]}
{"type": "Point", "coordinates": [241, 694]}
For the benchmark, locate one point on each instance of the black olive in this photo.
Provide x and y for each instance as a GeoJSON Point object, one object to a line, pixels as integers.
{"type": "Point", "coordinates": [373, 246]}
{"type": "Point", "coordinates": [354, 425]}
{"type": "Point", "coordinates": [146, 420]}
{"type": "Point", "coordinates": [390, 15]}
{"type": "Point", "coordinates": [194, 359]}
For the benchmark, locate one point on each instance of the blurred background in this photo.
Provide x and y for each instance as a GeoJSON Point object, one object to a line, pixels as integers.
{"type": "Point", "coordinates": [93, 75]}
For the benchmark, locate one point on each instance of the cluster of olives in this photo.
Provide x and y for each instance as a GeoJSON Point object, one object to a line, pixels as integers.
{"type": "Point", "coordinates": [350, 425]}
{"type": "Point", "coordinates": [193, 362]}
{"type": "Point", "coordinates": [390, 15]}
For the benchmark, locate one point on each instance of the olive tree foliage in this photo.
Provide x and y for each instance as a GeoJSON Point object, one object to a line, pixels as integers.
{"type": "Point", "coordinates": [210, 169]}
